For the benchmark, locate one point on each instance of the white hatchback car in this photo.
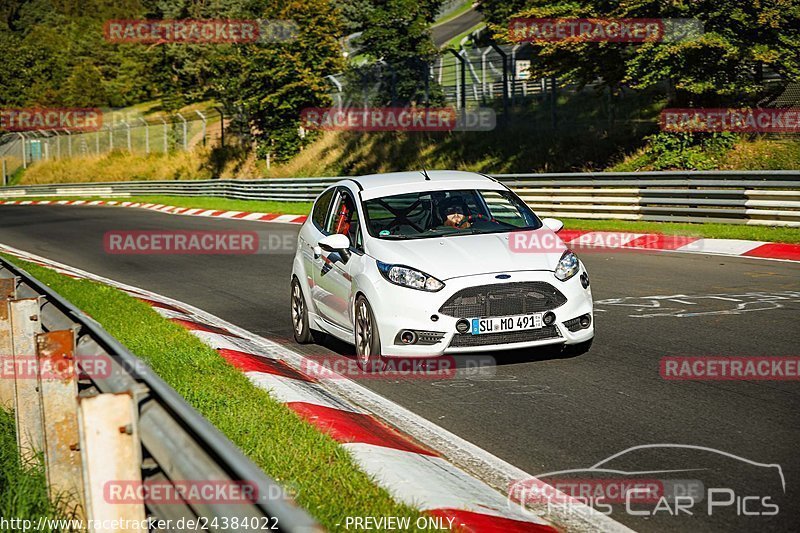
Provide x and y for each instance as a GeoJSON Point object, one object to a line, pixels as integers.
{"type": "Point", "coordinates": [419, 264]}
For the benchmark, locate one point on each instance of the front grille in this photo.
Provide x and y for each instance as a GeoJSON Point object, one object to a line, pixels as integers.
{"type": "Point", "coordinates": [509, 337]}
{"type": "Point", "coordinates": [429, 337]}
{"type": "Point", "coordinates": [503, 299]}
{"type": "Point", "coordinates": [424, 338]}
{"type": "Point", "coordinates": [574, 324]}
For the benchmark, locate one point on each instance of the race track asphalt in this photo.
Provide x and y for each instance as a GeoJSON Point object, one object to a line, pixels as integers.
{"type": "Point", "coordinates": [535, 409]}
{"type": "Point", "coordinates": [442, 33]}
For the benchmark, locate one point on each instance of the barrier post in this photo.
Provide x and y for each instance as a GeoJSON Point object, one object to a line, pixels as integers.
{"type": "Point", "coordinates": [58, 378]}
{"type": "Point", "coordinates": [110, 453]}
{"type": "Point", "coordinates": [25, 325]}
{"type": "Point", "coordinates": [7, 293]}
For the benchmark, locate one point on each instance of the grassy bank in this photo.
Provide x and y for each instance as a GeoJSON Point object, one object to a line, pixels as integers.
{"type": "Point", "coordinates": [744, 153]}
{"type": "Point", "coordinates": [118, 166]}
{"type": "Point", "coordinates": [317, 469]}
{"type": "Point", "coordinates": [582, 139]}
{"type": "Point", "coordinates": [23, 490]}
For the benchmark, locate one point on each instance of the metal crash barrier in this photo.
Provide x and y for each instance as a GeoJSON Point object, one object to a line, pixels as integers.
{"type": "Point", "coordinates": [101, 418]}
{"type": "Point", "coordinates": [729, 197]}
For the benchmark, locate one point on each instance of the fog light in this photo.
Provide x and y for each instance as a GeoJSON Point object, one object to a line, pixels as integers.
{"type": "Point", "coordinates": [434, 318]}
{"type": "Point", "coordinates": [408, 337]}
{"type": "Point", "coordinates": [462, 326]}
{"type": "Point", "coordinates": [586, 320]}
{"type": "Point", "coordinates": [549, 318]}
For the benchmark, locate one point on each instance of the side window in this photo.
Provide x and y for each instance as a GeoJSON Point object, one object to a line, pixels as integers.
{"type": "Point", "coordinates": [504, 209]}
{"type": "Point", "coordinates": [320, 211]}
{"type": "Point", "coordinates": [345, 218]}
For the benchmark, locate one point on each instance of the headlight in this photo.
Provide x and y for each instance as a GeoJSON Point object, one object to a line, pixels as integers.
{"type": "Point", "coordinates": [568, 266]}
{"type": "Point", "coordinates": [409, 277]}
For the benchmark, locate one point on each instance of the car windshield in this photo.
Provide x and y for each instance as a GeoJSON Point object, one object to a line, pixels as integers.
{"type": "Point", "coordinates": [443, 213]}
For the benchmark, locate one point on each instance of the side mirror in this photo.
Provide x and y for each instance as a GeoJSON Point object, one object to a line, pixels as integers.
{"type": "Point", "coordinates": [553, 223]}
{"type": "Point", "coordinates": [336, 243]}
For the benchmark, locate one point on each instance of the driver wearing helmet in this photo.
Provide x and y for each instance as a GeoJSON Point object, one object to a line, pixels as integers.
{"type": "Point", "coordinates": [453, 212]}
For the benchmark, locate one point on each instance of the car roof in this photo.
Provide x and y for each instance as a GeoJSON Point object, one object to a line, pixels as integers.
{"type": "Point", "coordinates": [379, 185]}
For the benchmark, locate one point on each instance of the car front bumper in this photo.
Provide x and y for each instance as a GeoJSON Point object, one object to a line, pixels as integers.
{"type": "Point", "coordinates": [400, 308]}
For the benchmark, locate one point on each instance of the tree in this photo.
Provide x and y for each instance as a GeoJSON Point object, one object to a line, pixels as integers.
{"type": "Point", "coordinates": [740, 39]}
{"type": "Point", "coordinates": [85, 87]}
{"type": "Point", "coordinates": [354, 14]}
{"type": "Point", "coordinates": [498, 12]}
{"type": "Point", "coordinates": [726, 62]}
{"type": "Point", "coordinates": [397, 32]}
{"type": "Point", "coordinates": [273, 82]}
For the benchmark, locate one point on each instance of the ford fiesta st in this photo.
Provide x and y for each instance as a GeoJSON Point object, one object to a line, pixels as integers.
{"type": "Point", "coordinates": [418, 264]}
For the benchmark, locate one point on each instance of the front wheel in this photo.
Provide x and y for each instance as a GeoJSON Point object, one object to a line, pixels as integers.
{"type": "Point", "coordinates": [302, 332]}
{"type": "Point", "coordinates": [368, 343]}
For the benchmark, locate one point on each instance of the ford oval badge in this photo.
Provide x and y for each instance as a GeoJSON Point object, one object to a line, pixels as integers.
{"type": "Point", "coordinates": [503, 276]}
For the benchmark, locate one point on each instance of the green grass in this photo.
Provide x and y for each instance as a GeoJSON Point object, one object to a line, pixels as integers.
{"type": "Point", "coordinates": [23, 488]}
{"type": "Point", "coordinates": [455, 42]}
{"type": "Point", "coordinates": [203, 202]}
{"type": "Point", "coordinates": [16, 176]}
{"type": "Point", "coordinates": [287, 208]}
{"type": "Point", "coordinates": [320, 472]}
{"type": "Point", "coordinates": [749, 152]}
{"type": "Point", "coordinates": [713, 231]}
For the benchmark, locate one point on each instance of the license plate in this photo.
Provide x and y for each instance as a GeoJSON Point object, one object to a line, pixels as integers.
{"type": "Point", "coordinates": [502, 324]}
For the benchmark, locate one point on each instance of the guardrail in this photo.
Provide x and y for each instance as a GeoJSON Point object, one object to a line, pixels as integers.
{"type": "Point", "coordinates": [732, 197]}
{"type": "Point", "coordinates": [98, 415]}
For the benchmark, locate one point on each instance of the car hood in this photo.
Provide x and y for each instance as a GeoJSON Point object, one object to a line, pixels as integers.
{"type": "Point", "coordinates": [467, 255]}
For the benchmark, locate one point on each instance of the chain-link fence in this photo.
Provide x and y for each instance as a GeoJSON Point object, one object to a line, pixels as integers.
{"type": "Point", "coordinates": [499, 76]}
{"type": "Point", "coordinates": [469, 77]}
{"type": "Point", "coordinates": [140, 135]}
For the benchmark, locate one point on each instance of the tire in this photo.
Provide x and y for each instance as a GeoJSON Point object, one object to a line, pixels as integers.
{"type": "Point", "coordinates": [300, 327]}
{"type": "Point", "coordinates": [367, 341]}
{"type": "Point", "coordinates": [574, 350]}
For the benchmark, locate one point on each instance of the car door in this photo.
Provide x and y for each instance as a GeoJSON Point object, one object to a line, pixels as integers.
{"type": "Point", "coordinates": [312, 232]}
{"type": "Point", "coordinates": [332, 273]}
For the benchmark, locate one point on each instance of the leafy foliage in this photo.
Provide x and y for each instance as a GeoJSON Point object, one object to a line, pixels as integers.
{"type": "Point", "coordinates": [55, 54]}
{"type": "Point", "coordinates": [686, 151]}
{"type": "Point", "coordinates": [725, 62]}
{"type": "Point", "coordinates": [397, 33]}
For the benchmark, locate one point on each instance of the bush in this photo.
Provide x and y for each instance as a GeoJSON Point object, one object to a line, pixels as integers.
{"type": "Point", "coordinates": [688, 151]}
